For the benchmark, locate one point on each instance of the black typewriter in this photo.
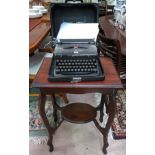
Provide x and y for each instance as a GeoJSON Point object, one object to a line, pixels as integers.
{"type": "Point", "coordinates": [75, 62]}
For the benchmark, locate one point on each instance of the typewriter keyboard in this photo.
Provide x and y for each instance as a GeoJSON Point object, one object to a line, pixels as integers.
{"type": "Point", "coordinates": [76, 65]}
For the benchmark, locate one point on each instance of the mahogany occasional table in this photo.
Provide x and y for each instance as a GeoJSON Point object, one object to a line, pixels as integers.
{"type": "Point", "coordinates": [79, 112]}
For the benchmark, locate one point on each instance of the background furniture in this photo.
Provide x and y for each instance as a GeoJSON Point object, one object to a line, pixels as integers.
{"type": "Point", "coordinates": [38, 31]}
{"type": "Point", "coordinates": [112, 32]}
{"type": "Point", "coordinates": [113, 44]}
{"type": "Point", "coordinates": [79, 112]}
{"type": "Point", "coordinates": [111, 48]}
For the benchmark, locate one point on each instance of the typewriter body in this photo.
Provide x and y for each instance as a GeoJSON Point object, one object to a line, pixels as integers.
{"type": "Point", "coordinates": [75, 59]}
{"type": "Point", "coordinates": [75, 62]}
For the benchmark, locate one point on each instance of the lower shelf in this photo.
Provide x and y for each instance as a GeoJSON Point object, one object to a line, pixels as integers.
{"type": "Point", "coordinates": [78, 113]}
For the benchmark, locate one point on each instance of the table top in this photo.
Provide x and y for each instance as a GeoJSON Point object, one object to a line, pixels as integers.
{"type": "Point", "coordinates": [112, 80]}
{"type": "Point", "coordinates": [38, 30]}
{"type": "Point", "coordinates": [113, 32]}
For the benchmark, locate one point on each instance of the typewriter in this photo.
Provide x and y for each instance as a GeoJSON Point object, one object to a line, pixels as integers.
{"type": "Point", "coordinates": [75, 61]}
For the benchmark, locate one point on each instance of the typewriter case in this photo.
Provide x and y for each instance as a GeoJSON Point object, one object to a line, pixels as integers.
{"type": "Point", "coordinates": [73, 13]}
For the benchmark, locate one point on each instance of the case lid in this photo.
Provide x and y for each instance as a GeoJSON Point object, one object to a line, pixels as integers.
{"type": "Point", "coordinates": [74, 13]}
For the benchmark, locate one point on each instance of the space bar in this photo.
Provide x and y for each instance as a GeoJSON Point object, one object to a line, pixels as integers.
{"type": "Point", "coordinates": [75, 73]}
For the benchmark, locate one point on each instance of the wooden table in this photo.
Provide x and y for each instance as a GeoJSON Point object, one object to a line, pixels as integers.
{"type": "Point", "coordinates": [38, 30]}
{"type": "Point", "coordinates": [112, 32]}
{"type": "Point", "coordinates": [79, 112]}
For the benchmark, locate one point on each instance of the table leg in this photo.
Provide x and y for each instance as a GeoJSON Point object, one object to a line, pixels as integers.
{"type": "Point", "coordinates": [45, 120]}
{"type": "Point", "coordinates": [112, 111]}
{"type": "Point", "coordinates": [54, 108]}
{"type": "Point", "coordinates": [102, 107]}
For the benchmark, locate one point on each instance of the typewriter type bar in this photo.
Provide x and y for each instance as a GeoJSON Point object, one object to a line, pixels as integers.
{"type": "Point", "coordinates": [76, 41]}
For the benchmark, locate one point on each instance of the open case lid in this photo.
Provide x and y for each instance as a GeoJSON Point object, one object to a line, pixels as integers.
{"type": "Point", "coordinates": [70, 12]}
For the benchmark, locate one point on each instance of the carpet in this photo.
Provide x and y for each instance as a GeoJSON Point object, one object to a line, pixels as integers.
{"type": "Point", "coordinates": [119, 124]}
{"type": "Point", "coordinates": [38, 133]}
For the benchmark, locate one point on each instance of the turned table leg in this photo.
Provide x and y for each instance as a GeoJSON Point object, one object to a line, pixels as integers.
{"type": "Point", "coordinates": [45, 120]}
